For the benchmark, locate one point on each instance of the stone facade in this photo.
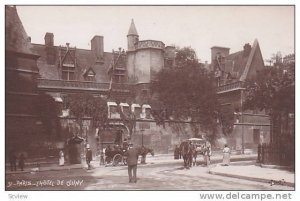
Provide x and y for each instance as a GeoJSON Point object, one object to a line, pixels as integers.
{"type": "Point", "coordinates": [119, 76]}
{"type": "Point", "coordinates": [231, 71]}
{"type": "Point", "coordinates": [22, 122]}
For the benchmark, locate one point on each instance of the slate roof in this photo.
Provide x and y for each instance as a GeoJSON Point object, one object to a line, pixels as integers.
{"type": "Point", "coordinates": [236, 62]}
{"type": "Point", "coordinates": [240, 63]}
{"type": "Point", "coordinates": [84, 58]}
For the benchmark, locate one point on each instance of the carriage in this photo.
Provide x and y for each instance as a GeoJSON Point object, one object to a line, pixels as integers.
{"type": "Point", "coordinates": [191, 148]}
{"type": "Point", "coordinates": [115, 156]}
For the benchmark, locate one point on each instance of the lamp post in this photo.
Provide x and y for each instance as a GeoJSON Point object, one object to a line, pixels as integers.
{"type": "Point", "coordinates": [242, 122]}
{"type": "Point", "coordinates": [142, 137]}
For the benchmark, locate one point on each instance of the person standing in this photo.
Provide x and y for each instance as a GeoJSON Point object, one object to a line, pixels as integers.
{"type": "Point", "coordinates": [176, 153]}
{"type": "Point", "coordinates": [89, 157]}
{"type": "Point", "coordinates": [207, 153]}
{"type": "Point", "coordinates": [61, 158]}
{"type": "Point", "coordinates": [13, 161]}
{"type": "Point", "coordinates": [179, 152]}
{"type": "Point", "coordinates": [22, 162]}
{"type": "Point", "coordinates": [132, 160]}
{"type": "Point", "coordinates": [226, 155]}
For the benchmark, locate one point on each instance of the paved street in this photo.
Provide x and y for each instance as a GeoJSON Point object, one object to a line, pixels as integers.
{"type": "Point", "coordinates": [152, 176]}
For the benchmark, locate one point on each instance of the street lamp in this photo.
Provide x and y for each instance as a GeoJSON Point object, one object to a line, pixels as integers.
{"type": "Point", "coordinates": [240, 114]}
{"type": "Point", "coordinates": [142, 137]}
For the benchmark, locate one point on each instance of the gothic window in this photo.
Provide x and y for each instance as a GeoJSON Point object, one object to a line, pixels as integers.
{"type": "Point", "coordinates": [68, 72]}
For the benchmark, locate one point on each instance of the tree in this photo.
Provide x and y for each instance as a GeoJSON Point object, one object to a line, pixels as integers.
{"type": "Point", "coordinates": [86, 105]}
{"type": "Point", "coordinates": [273, 90]}
{"type": "Point", "coordinates": [186, 57]}
{"type": "Point", "coordinates": [188, 92]}
{"type": "Point", "coordinates": [48, 110]}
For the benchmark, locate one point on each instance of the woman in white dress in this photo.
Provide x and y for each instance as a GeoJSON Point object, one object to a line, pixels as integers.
{"type": "Point", "coordinates": [61, 158]}
{"type": "Point", "coordinates": [226, 155]}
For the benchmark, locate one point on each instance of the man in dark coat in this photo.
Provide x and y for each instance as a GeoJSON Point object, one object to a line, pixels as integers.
{"type": "Point", "coordinates": [132, 160]}
{"type": "Point", "coordinates": [13, 161]}
{"type": "Point", "coordinates": [89, 157]}
{"type": "Point", "coordinates": [176, 152]}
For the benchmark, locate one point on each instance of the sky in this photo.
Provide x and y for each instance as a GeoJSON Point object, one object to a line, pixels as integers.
{"type": "Point", "coordinates": [199, 27]}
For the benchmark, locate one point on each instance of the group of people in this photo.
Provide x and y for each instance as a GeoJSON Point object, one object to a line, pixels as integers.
{"type": "Point", "coordinates": [13, 159]}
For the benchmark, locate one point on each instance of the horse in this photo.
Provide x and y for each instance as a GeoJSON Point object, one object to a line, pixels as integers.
{"type": "Point", "coordinates": [187, 151]}
{"type": "Point", "coordinates": [143, 151]}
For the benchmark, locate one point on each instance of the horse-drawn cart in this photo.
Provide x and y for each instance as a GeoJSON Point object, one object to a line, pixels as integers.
{"type": "Point", "coordinates": [191, 148]}
{"type": "Point", "coordinates": [115, 156]}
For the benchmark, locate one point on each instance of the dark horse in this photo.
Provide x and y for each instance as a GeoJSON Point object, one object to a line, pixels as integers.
{"type": "Point", "coordinates": [143, 151]}
{"type": "Point", "coordinates": [187, 151]}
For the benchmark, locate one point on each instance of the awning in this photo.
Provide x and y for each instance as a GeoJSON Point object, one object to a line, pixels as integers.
{"type": "Point", "coordinates": [56, 97]}
{"type": "Point", "coordinates": [112, 104]}
{"type": "Point", "coordinates": [146, 106]}
{"type": "Point", "coordinates": [135, 105]}
{"type": "Point", "coordinates": [124, 104]}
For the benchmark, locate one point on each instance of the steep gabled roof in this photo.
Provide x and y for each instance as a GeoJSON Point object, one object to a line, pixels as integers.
{"type": "Point", "coordinates": [241, 63]}
{"type": "Point", "coordinates": [249, 61]}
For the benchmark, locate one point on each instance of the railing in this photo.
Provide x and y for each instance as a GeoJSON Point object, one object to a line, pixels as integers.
{"type": "Point", "coordinates": [121, 86]}
{"type": "Point", "coordinates": [60, 84]}
{"type": "Point", "coordinates": [271, 154]}
{"type": "Point", "coordinates": [150, 44]}
{"type": "Point", "coordinates": [230, 87]}
{"type": "Point", "coordinates": [66, 84]}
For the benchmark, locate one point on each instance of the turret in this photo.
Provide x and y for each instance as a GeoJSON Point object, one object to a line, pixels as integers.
{"type": "Point", "coordinates": [132, 37]}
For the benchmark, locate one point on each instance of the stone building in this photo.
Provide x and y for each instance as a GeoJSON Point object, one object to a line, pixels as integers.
{"type": "Point", "coordinates": [231, 72]}
{"type": "Point", "coordinates": [22, 122]}
{"type": "Point", "coordinates": [122, 77]}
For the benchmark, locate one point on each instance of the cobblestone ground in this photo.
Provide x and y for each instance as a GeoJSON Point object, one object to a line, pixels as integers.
{"type": "Point", "coordinates": [150, 177]}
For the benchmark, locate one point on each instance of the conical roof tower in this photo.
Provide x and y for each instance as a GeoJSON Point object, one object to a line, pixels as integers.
{"type": "Point", "coordinates": [132, 37]}
{"type": "Point", "coordinates": [132, 30]}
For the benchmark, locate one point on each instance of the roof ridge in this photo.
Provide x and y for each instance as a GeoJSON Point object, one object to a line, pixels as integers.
{"type": "Point", "coordinates": [249, 61]}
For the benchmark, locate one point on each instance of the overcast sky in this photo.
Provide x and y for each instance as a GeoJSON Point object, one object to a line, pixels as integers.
{"type": "Point", "coordinates": [200, 27]}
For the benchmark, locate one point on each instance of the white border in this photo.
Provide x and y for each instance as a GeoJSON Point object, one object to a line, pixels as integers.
{"type": "Point", "coordinates": [129, 195]}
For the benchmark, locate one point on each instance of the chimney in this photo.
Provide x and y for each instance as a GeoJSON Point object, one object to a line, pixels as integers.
{"type": "Point", "coordinates": [97, 47]}
{"type": "Point", "coordinates": [49, 39]}
{"type": "Point", "coordinates": [247, 49]}
{"type": "Point", "coordinates": [218, 51]}
{"type": "Point", "coordinates": [170, 52]}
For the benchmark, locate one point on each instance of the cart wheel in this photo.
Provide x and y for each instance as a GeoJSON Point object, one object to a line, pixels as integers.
{"type": "Point", "coordinates": [117, 159]}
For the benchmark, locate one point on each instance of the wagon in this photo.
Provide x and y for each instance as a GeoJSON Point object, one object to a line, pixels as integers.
{"type": "Point", "coordinates": [116, 157]}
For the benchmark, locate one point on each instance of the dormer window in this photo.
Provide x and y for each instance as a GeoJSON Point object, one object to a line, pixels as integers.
{"type": "Point", "coordinates": [67, 62]}
{"type": "Point", "coordinates": [89, 75]}
{"type": "Point", "coordinates": [68, 72]}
